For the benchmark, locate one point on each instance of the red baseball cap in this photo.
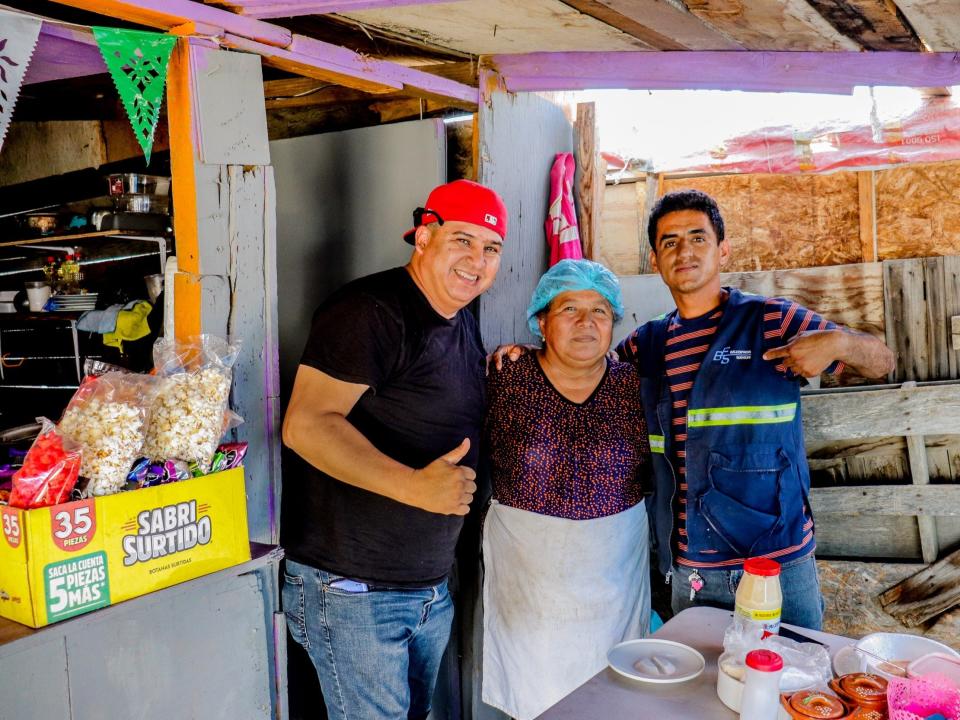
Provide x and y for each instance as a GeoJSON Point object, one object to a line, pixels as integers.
{"type": "Point", "coordinates": [463, 201]}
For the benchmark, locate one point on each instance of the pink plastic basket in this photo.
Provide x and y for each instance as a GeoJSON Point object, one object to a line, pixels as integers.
{"type": "Point", "coordinates": [919, 698]}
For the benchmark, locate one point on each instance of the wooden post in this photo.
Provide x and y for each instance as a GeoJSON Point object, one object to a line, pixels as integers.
{"type": "Point", "coordinates": [183, 161]}
{"type": "Point", "coordinates": [591, 180]}
{"type": "Point", "coordinates": [654, 191]}
{"type": "Point", "coordinates": [225, 231]}
{"type": "Point", "coordinates": [920, 475]}
{"type": "Point", "coordinates": [866, 185]}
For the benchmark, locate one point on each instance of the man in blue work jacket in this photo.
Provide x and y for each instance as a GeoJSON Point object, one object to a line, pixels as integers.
{"type": "Point", "coordinates": [721, 393]}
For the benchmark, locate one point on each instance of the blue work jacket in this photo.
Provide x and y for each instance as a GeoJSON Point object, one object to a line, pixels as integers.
{"type": "Point", "coordinates": [746, 469]}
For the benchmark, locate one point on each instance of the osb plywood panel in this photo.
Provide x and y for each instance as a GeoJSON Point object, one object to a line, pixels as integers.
{"type": "Point", "coordinates": [785, 221]}
{"type": "Point", "coordinates": [619, 245]}
{"type": "Point", "coordinates": [485, 27]}
{"type": "Point", "coordinates": [850, 590]}
{"type": "Point", "coordinates": [918, 211]}
{"type": "Point", "coordinates": [769, 25]}
{"type": "Point", "coordinates": [937, 22]}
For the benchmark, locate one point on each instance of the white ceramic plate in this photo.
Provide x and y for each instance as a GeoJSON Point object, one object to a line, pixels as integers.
{"type": "Point", "coordinates": [656, 661]}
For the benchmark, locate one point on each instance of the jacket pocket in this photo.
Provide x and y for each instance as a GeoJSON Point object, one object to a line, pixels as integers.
{"type": "Point", "coordinates": [742, 503]}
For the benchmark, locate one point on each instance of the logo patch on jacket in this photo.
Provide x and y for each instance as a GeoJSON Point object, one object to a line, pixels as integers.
{"type": "Point", "coordinates": [726, 355]}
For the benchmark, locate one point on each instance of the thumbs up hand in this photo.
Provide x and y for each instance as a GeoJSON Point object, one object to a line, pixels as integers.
{"type": "Point", "coordinates": [443, 486]}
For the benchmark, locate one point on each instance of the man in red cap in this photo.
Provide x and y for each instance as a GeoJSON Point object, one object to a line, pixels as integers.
{"type": "Point", "coordinates": [386, 411]}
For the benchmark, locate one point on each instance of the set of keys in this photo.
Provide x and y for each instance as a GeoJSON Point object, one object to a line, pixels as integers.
{"type": "Point", "coordinates": [696, 584]}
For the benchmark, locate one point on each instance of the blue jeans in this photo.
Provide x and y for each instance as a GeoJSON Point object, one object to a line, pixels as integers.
{"type": "Point", "coordinates": [799, 582]}
{"type": "Point", "coordinates": [377, 653]}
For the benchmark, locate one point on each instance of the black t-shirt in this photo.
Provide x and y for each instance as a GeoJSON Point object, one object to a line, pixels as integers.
{"type": "Point", "coordinates": [426, 378]}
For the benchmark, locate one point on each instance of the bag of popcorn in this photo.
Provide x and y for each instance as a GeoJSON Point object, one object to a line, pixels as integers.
{"type": "Point", "coordinates": [107, 417]}
{"type": "Point", "coordinates": [190, 411]}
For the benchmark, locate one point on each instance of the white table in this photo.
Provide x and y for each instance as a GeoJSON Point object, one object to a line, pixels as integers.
{"type": "Point", "coordinates": [608, 695]}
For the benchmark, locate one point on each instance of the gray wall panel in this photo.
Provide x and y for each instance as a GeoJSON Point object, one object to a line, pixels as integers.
{"type": "Point", "coordinates": [520, 135]}
{"type": "Point", "coordinates": [344, 201]}
{"type": "Point", "coordinates": [189, 655]}
{"type": "Point", "coordinates": [33, 682]}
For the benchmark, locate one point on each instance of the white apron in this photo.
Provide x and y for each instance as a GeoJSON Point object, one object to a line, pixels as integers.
{"type": "Point", "coordinates": [557, 595]}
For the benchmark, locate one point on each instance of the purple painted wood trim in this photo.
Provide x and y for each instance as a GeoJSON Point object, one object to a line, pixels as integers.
{"type": "Point", "coordinates": [388, 73]}
{"type": "Point", "coordinates": [292, 8]}
{"type": "Point", "coordinates": [168, 14]}
{"type": "Point", "coordinates": [63, 52]}
{"type": "Point", "coordinates": [832, 72]}
{"type": "Point", "coordinates": [335, 58]}
{"type": "Point", "coordinates": [272, 41]}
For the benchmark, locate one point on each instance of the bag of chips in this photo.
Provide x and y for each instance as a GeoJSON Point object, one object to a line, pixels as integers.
{"type": "Point", "coordinates": [50, 470]}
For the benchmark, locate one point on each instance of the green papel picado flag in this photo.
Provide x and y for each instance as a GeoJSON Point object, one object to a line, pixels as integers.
{"type": "Point", "coordinates": [137, 62]}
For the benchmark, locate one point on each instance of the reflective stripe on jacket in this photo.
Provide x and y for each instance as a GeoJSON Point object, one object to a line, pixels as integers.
{"type": "Point", "coordinates": [747, 476]}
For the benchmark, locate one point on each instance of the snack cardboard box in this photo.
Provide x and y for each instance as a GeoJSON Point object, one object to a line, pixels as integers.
{"type": "Point", "coordinates": [61, 561]}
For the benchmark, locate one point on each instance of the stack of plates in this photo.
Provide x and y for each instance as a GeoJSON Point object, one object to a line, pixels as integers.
{"type": "Point", "coordinates": [72, 303]}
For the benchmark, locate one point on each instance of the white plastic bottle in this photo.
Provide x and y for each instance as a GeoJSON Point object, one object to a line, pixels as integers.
{"type": "Point", "coordinates": [761, 688]}
{"type": "Point", "coordinates": [759, 599]}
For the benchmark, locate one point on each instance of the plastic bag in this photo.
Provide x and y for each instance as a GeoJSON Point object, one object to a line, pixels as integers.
{"type": "Point", "coordinates": [187, 418]}
{"type": "Point", "coordinates": [107, 416]}
{"type": "Point", "coordinates": [49, 471]}
{"type": "Point", "coordinates": [96, 368]}
{"type": "Point", "coordinates": [805, 665]}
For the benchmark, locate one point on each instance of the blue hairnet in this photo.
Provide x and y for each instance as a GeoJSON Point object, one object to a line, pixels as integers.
{"type": "Point", "coordinates": [568, 275]}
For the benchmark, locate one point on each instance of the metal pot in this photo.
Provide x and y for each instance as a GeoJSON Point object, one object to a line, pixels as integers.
{"type": "Point", "coordinates": [97, 216]}
{"type": "Point", "coordinates": [41, 223]}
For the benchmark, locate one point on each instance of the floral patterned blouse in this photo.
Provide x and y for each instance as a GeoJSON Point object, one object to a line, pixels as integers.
{"type": "Point", "coordinates": [555, 457]}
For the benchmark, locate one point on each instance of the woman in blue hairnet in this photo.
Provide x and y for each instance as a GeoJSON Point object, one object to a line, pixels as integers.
{"type": "Point", "coordinates": [566, 568]}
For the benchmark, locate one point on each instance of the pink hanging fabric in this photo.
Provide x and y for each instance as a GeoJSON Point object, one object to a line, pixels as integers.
{"type": "Point", "coordinates": [563, 235]}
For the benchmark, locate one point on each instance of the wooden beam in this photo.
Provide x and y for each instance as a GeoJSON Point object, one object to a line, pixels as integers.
{"type": "Point", "coordinates": [656, 19]}
{"type": "Point", "coordinates": [368, 40]}
{"type": "Point", "coordinates": [922, 410]}
{"type": "Point", "coordinates": [825, 72]}
{"type": "Point", "coordinates": [937, 22]}
{"type": "Point", "coordinates": [765, 25]}
{"type": "Point", "coordinates": [928, 501]}
{"type": "Point", "coordinates": [486, 27]}
{"type": "Point", "coordinates": [287, 122]}
{"type": "Point", "coordinates": [605, 14]}
{"type": "Point", "coordinates": [281, 48]}
{"type": "Point", "coordinates": [874, 24]}
{"type": "Point", "coordinates": [930, 592]}
{"type": "Point", "coordinates": [295, 8]}
{"type": "Point", "coordinates": [331, 70]}
{"type": "Point", "coordinates": [866, 186]}
{"type": "Point", "coordinates": [308, 92]}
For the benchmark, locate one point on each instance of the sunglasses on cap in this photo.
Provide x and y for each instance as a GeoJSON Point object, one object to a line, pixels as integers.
{"type": "Point", "coordinates": [420, 212]}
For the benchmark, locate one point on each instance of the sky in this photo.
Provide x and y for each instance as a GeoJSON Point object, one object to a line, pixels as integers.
{"type": "Point", "coordinates": [665, 126]}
